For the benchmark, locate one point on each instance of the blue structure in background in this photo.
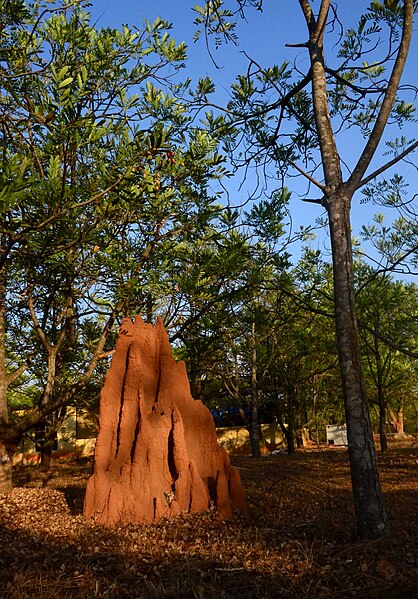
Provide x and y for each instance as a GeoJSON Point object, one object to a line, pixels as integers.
{"type": "Point", "coordinates": [226, 417]}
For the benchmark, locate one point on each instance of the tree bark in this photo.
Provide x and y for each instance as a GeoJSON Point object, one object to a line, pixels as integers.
{"type": "Point", "coordinates": [380, 397]}
{"type": "Point", "coordinates": [254, 424]}
{"type": "Point", "coordinates": [401, 429]}
{"type": "Point", "coordinates": [6, 449]}
{"type": "Point", "coordinates": [254, 432]}
{"type": "Point", "coordinates": [53, 424]}
{"type": "Point", "coordinates": [397, 420]}
{"type": "Point", "coordinates": [289, 436]}
{"type": "Point", "coordinates": [6, 468]}
{"type": "Point", "coordinates": [369, 507]}
{"type": "Point", "coordinates": [382, 422]}
{"type": "Point", "coordinates": [46, 455]}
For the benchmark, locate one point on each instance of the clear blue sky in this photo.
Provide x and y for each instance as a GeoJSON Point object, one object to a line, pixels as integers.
{"type": "Point", "coordinates": [263, 36]}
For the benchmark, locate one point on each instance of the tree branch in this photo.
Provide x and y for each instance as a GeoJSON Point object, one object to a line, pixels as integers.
{"type": "Point", "coordinates": [40, 333]}
{"type": "Point", "coordinates": [388, 165]}
{"type": "Point", "coordinates": [307, 175]}
{"type": "Point", "coordinates": [388, 101]}
{"type": "Point", "coordinates": [20, 370]}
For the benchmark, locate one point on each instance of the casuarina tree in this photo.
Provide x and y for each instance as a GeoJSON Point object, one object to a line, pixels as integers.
{"type": "Point", "coordinates": [351, 86]}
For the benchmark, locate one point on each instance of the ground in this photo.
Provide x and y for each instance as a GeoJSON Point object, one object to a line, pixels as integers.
{"type": "Point", "coordinates": [298, 543]}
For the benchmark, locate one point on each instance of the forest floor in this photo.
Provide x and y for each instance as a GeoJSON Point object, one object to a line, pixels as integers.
{"type": "Point", "coordinates": [298, 543]}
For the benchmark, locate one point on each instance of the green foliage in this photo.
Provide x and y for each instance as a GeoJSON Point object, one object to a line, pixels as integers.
{"type": "Point", "coordinates": [271, 105]}
{"type": "Point", "coordinates": [104, 183]}
{"type": "Point", "coordinates": [387, 312]}
{"type": "Point", "coordinates": [267, 216]}
{"type": "Point", "coordinates": [386, 192]}
{"type": "Point", "coordinates": [216, 21]}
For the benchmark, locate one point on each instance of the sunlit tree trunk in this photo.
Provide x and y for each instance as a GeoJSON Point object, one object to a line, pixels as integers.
{"type": "Point", "coordinates": [6, 448]}
{"type": "Point", "coordinates": [397, 420]}
{"type": "Point", "coordinates": [369, 507]}
{"type": "Point", "coordinates": [254, 424]}
{"type": "Point", "coordinates": [371, 517]}
{"type": "Point", "coordinates": [381, 400]}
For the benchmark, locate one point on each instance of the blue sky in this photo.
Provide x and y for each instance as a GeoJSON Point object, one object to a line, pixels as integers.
{"type": "Point", "coordinates": [263, 36]}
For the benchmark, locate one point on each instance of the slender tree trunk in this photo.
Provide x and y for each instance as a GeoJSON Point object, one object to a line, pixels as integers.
{"type": "Point", "coordinates": [6, 449]}
{"type": "Point", "coordinates": [289, 430]}
{"type": "Point", "coordinates": [315, 410]}
{"type": "Point", "coordinates": [6, 468]}
{"type": "Point", "coordinates": [369, 507]}
{"type": "Point", "coordinates": [289, 436]}
{"type": "Point", "coordinates": [254, 424]}
{"type": "Point", "coordinates": [401, 429]}
{"type": "Point", "coordinates": [254, 433]}
{"type": "Point", "coordinates": [382, 422]}
{"type": "Point", "coordinates": [380, 394]}
{"type": "Point", "coordinates": [150, 308]}
{"type": "Point", "coordinates": [290, 439]}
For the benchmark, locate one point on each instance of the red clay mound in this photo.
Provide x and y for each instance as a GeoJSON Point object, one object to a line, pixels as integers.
{"type": "Point", "coordinates": [156, 453]}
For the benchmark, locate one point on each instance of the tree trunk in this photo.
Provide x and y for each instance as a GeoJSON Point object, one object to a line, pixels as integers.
{"type": "Point", "coordinates": [315, 411]}
{"type": "Point", "coordinates": [289, 436]}
{"type": "Point", "coordinates": [254, 431]}
{"type": "Point", "coordinates": [254, 426]}
{"type": "Point", "coordinates": [369, 507]}
{"type": "Point", "coordinates": [150, 308]}
{"type": "Point", "coordinates": [290, 439]}
{"type": "Point", "coordinates": [53, 423]}
{"type": "Point", "coordinates": [6, 467]}
{"type": "Point", "coordinates": [299, 438]}
{"type": "Point", "coordinates": [382, 422]}
{"type": "Point", "coordinates": [397, 420]}
{"type": "Point", "coordinates": [401, 429]}
{"type": "Point", "coordinates": [46, 454]}
{"type": "Point", "coordinates": [6, 450]}
{"type": "Point", "coordinates": [380, 393]}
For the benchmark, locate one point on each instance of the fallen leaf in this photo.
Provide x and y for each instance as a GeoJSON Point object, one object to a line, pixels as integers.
{"type": "Point", "coordinates": [386, 569]}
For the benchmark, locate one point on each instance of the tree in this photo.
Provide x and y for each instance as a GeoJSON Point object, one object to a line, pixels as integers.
{"type": "Point", "coordinates": [220, 297]}
{"type": "Point", "coordinates": [387, 311]}
{"type": "Point", "coordinates": [208, 278]}
{"type": "Point", "coordinates": [352, 94]}
{"type": "Point", "coordinates": [102, 175]}
{"type": "Point", "coordinates": [253, 313]}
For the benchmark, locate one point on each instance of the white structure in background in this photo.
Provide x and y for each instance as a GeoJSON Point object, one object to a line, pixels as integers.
{"type": "Point", "coordinates": [337, 435]}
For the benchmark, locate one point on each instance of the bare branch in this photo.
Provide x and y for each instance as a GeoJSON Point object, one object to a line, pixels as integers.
{"type": "Point", "coordinates": [307, 175]}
